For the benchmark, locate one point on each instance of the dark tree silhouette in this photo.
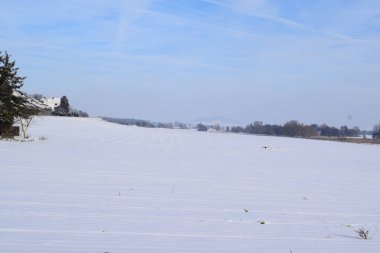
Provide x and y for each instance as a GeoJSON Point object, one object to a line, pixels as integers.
{"type": "Point", "coordinates": [64, 107]}
{"type": "Point", "coordinates": [201, 127]}
{"type": "Point", "coordinates": [376, 132]}
{"type": "Point", "coordinates": [13, 104]}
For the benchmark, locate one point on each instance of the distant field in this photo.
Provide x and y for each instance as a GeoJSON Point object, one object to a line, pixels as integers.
{"type": "Point", "coordinates": [93, 186]}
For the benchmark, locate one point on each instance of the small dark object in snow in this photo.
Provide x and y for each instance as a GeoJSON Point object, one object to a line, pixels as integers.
{"type": "Point", "coordinates": [363, 234]}
{"type": "Point", "coordinates": [262, 222]}
{"type": "Point", "coordinates": [246, 210]}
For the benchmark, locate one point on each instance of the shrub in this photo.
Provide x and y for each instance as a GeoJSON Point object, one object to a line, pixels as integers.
{"type": "Point", "coordinates": [362, 233]}
{"type": "Point", "coordinates": [201, 127]}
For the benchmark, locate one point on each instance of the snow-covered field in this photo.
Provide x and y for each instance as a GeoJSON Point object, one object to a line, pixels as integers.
{"type": "Point", "coordinates": [94, 186]}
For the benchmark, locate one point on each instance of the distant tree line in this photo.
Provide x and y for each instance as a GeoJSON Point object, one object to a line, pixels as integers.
{"type": "Point", "coordinates": [146, 123]}
{"type": "Point", "coordinates": [294, 128]}
{"type": "Point", "coordinates": [291, 128]}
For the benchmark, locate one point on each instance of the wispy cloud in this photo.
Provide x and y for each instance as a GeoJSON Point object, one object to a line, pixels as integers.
{"type": "Point", "coordinates": [130, 10]}
{"type": "Point", "coordinates": [258, 9]}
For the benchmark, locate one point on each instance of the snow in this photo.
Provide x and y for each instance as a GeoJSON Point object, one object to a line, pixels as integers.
{"type": "Point", "coordinates": [94, 186]}
{"type": "Point", "coordinates": [32, 101]}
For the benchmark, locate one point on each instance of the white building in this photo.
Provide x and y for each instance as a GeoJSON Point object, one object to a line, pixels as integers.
{"type": "Point", "coordinates": [39, 104]}
{"type": "Point", "coordinates": [51, 102]}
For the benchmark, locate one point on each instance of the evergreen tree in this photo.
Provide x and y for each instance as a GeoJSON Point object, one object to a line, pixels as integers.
{"type": "Point", "coordinates": [13, 104]}
{"type": "Point", "coordinates": [201, 127]}
{"type": "Point", "coordinates": [64, 107]}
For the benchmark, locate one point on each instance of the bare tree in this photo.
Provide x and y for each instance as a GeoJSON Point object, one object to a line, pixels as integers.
{"type": "Point", "coordinates": [217, 127]}
{"type": "Point", "coordinates": [25, 123]}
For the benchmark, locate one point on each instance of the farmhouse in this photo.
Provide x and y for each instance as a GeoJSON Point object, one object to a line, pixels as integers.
{"type": "Point", "coordinates": [52, 102]}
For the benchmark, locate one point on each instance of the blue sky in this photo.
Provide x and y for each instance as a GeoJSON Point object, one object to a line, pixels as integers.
{"type": "Point", "coordinates": [244, 60]}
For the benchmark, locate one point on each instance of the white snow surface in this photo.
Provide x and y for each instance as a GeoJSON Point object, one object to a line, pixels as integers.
{"type": "Point", "coordinates": [94, 186]}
